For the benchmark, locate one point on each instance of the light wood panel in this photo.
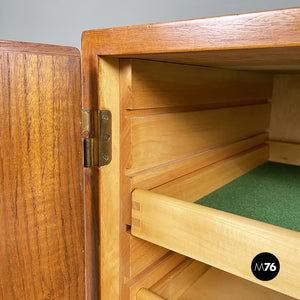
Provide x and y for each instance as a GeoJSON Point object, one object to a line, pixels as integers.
{"type": "Point", "coordinates": [143, 255]}
{"type": "Point", "coordinates": [285, 113]}
{"type": "Point", "coordinates": [193, 186]}
{"type": "Point", "coordinates": [163, 138]}
{"type": "Point", "coordinates": [154, 273]}
{"type": "Point", "coordinates": [164, 173]}
{"type": "Point", "coordinates": [285, 120]}
{"type": "Point", "coordinates": [41, 181]}
{"type": "Point", "coordinates": [157, 84]}
{"type": "Point", "coordinates": [144, 294]}
{"type": "Point", "coordinates": [136, 255]}
{"type": "Point", "coordinates": [272, 69]}
{"type": "Point", "coordinates": [286, 153]}
{"type": "Point", "coordinates": [109, 185]}
{"type": "Point", "coordinates": [216, 284]}
{"type": "Point", "coordinates": [225, 241]}
{"type": "Point", "coordinates": [136, 113]}
{"type": "Point", "coordinates": [273, 60]}
{"type": "Point", "coordinates": [180, 279]}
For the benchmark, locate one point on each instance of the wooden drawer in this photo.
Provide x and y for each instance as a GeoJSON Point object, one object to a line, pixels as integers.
{"type": "Point", "coordinates": [192, 280]}
{"type": "Point", "coordinates": [225, 240]}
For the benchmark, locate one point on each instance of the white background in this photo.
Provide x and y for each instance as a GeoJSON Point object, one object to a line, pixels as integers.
{"type": "Point", "coordinates": [61, 22]}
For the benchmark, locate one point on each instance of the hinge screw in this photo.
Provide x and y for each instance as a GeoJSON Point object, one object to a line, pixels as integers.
{"type": "Point", "coordinates": [105, 117]}
{"type": "Point", "coordinates": [85, 134]}
{"type": "Point", "coordinates": [105, 157]}
{"type": "Point", "coordinates": [106, 137]}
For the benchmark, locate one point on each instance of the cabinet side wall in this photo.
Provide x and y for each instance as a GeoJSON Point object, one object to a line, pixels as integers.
{"type": "Point", "coordinates": [285, 114]}
{"type": "Point", "coordinates": [285, 120]}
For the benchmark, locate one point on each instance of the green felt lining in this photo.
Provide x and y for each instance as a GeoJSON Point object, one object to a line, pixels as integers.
{"type": "Point", "coordinates": [269, 193]}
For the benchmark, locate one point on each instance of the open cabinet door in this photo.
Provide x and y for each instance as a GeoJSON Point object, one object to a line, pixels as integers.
{"type": "Point", "coordinates": [41, 173]}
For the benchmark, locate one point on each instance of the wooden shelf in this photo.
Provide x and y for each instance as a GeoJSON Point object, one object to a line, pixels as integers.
{"type": "Point", "coordinates": [216, 284]}
{"type": "Point", "coordinates": [213, 284]}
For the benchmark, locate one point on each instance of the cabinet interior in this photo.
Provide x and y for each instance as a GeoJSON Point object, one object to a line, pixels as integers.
{"type": "Point", "coordinates": [192, 129]}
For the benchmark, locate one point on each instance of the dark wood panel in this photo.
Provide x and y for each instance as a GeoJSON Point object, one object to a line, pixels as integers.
{"type": "Point", "coordinates": [41, 199]}
{"type": "Point", "coordinates": [252, 30]}
{"type": "Point", "coordinates": [23, 47]}
{"type": "Point", "coordinates": [92, 238]}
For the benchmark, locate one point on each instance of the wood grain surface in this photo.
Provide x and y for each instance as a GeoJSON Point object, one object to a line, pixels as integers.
{"type": "Point", "coordinates": [278, 59]}
{"type": "Point", "coordinates": [257, 39]}
{"type": "Point", "coordinates": [92, 235]}
{"type": "Point", "coordinates": [164, 138]}
{"type": "Point", "coordinates": [197, 184]}
{"type": "Point", "coordinates": [154, 273]}
{"type": "Point", "coordinates": [175, 283]}
{"type": "Point", "coordinates": [157, 84]}
{"type": "Point", "coordinates": [285, 112]}
{"type": "Point", "coordinates": [269, 37]}
{"type": "Point", "coordinates": [216, 284]}
{"type": "Point", "coordinates": [252, 30]}
{"type": "Point", "coordinates": [144, 294]}
{"type": "Point", "coordinates": [165, 173]}
{"type": "Point", "coordinates": [109, 187]}
{"type": "Point", "coordinates": [33, 48]}
{"type": "Point", "coordinates": [226, 241]}
{"type": "Point", "coordinates": [287, 153]}
{"type": "Point", "coordinates": [41, 199]}
{"type": "Point", "coordinates": [142, 255]}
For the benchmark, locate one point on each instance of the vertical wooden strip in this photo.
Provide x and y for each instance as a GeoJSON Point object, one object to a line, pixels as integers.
{"type": "Point", "coordinates": [125, 184]}
{"type": "Point", "coordinates": [109, 183]}
{"type": "Point", "coordinates": [285, 116]}
{"type": "Point", "coordinates": [92, 241]}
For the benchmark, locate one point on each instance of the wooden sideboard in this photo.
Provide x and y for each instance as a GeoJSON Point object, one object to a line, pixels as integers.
{"type": "Point", "coordinates": [102, 158]}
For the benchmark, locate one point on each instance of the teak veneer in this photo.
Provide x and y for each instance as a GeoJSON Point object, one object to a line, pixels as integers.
{"type": "Point", "coordinates": [195, 105]}
{"type": "Point", "coordinates": [41, 181]}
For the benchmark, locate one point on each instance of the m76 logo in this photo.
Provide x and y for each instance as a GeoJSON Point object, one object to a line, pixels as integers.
{"type": "Point", "coordinates": [265, 266]}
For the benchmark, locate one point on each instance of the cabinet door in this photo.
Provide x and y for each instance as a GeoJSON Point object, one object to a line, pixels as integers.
{"type": "Point", "coordinates": [41, 194]}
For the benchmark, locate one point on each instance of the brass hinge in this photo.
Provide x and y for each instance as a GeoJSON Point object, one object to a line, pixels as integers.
{"type": "Point", "coordinates": [96, 132]}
